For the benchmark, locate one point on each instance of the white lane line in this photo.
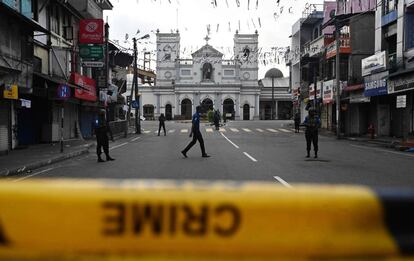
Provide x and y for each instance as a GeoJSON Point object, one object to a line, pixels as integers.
{"type": "Point", "coordinates": [393, 152]}
{"type": "Point", "coordinates": [146, 132]}
{"type": "Point", "coordinates": [284, 183]}
{"type": "Point", "coordinates": [246, 130]}
{"type": "Point", "coordinates": [285, 130]}
{"type": "Point", "coordinates": [260, 130]}
{"type": "Point", "coordinates": [34, 174]}
{"type": "Point", "coordinates": [250, 157]}
{"type": "Point", "coordinates": [209, 130]}
{"type": "Point", "coordinates": [135, 139]}
{"type": "Point", "coordinates": [118, 146]}
{"type": "Point", "coordinates": [232, 143]}
{"type": "Point", "coordinates": [272, 130]}
{"type": "Point", "coordinates": [171, 131]}
{"type": "Point", "coordinates": [156, 132]}
{"type": "Point", "coordinates": [222, 130]}
{"type": "Point", "coordinates": [184, 131]}
{"type": "Point", "coordinates": [234, 130]}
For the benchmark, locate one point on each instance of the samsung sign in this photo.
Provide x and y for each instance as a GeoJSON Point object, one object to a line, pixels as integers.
{"type": "Point", "coordinates": [374, 63]}
{"type": "Point", "coordinates": [376, 84]}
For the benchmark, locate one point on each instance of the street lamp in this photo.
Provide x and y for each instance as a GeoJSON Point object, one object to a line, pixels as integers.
{"type": "Point", "coordinates": [135, 82]}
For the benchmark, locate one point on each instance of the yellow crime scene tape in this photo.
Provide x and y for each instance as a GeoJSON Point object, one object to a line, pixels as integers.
{"type": "Point", "coordinates": [183, 220]}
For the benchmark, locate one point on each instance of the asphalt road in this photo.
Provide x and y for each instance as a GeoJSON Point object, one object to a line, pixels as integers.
{"type": "Point", "coordinates": [243, 150]}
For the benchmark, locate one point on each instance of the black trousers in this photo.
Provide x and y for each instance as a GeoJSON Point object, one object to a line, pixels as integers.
{"type": "Point", "coordinates": [311, 137]}
{"type": "Point", "coordinates": [162, 124]}
{"type": "Point", "coordinates": [196, 136]}
{"type": "Point", "coordinates": [103, 142]}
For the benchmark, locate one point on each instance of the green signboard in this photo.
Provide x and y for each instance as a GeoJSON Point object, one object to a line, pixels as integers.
{"type": "Point", "coordinates": [91, 51]}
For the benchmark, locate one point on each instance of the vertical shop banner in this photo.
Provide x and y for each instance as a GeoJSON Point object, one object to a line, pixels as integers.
{"type": "Point", "coordinates": [85, 87]}
{"type": "Point", "coordinates": [91, 31]}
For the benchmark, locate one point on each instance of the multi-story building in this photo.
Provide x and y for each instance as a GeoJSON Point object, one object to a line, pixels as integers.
{"type": "Point", "coordinates": [17, 28]}
{"type": "Point", "coordinates": [389, 73]}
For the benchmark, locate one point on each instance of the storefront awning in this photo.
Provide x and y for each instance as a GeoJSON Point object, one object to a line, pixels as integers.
{"type": "Point", "coordinates": [29, 23]}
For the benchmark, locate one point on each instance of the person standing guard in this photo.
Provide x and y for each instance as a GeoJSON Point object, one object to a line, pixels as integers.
{"type": "Point", "coordinates": [196, 134]}
{"type": "Point", "coordinates": [312, 124]}
{"type": "Point", "coordinates": [297, 122]}
{"type": "Point", "coordinates": [217, 119]}
{"type": "Point", "coordinates": [162, 124]}
{"type": "Point", "coordinates": [101, 131]}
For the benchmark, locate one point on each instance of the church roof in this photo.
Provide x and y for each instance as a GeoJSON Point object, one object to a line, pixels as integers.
{"type": "Point", "coordinates": [207, 49]}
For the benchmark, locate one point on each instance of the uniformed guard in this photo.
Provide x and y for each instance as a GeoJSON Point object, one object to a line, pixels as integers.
{"type": "Point", "coordinates": [312, 124]}
{"type": "Point", "coordinates": [196, 134]}
{"type": "Point", "coordinates": [101, 131]}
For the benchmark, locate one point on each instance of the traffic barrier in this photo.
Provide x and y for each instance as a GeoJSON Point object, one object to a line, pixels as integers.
{"type": "Point", "coordinates": [54, 219]}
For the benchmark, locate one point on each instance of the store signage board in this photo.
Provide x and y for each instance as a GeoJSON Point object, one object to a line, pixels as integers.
{"type": "Point", "coordinates": [374, 63]}
{"type": "Point", "coordinates": [63, 92]}
{"type": "Point", "coordinates": [94, 52]}
{"type": "Point", "coordinates": [91, 31]}
{"type": "Point", "coordinates": [94, 64]}
{"type": "Point", "coordinates": [401, 101]}
{"type": "Point", "coordinates": [11, 92]}
{"type": "Point", "coordinates": [86, 87]}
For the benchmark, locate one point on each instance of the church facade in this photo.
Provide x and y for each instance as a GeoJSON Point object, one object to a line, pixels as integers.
{"type": "Point", "coordinates": [230, 86]}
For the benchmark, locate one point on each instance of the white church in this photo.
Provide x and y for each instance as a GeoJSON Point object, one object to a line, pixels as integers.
{"type": "Point", "coordinates": [230, 86]}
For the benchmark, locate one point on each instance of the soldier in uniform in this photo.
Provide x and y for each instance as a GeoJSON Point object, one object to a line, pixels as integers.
{"type": "Point", "coordinates": [312, 124]}
{"type": "Point", "coordinates": [101, 131]}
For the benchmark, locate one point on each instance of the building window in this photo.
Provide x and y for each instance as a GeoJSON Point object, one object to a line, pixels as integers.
{"type": "Point", "coordinates": [54, 19]}
{"type": "Point", "coordinates": [389, 6]}
{"type": "Point", "coordinates": [409, 29]}
{"type": "Point", "coordinates": [67, 26]}
{"type": "Point", "coordinates": [186, 72]}
{"type": "Point", "coordinates": [228, 72]}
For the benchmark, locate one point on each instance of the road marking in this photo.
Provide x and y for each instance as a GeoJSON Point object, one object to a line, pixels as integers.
{"type": "Point", "coordinates": [222, 130]}
{"type": "Point", "coordinates": [285, 130]}
{"type": "Point", "coordinates": [135, 139]}
{"type": "Point", "coordinates": [234, 130]}
{"type": "Point", "coordinates": [171, 131]}
{"type": "Point", "coordinates": [284, 183]}
{"type": "Point", "coordinates": [184, 131]}
{"type": "Point", "coordinates": [147, 131]}
{"type": "Point", "coordinates": [34, 174]}
{"type": "Point", "coordinates": [246, 130]}
{"type": "Point", "coordinates": [250, 157]}
{"type": "Point", "coordinates": [118, 146]}
{"type": "Point", "coordinates": [232, 143]}
{"type": "Point", "coordinates": [272, 130]}
{"type": "Point", "coordinates": [156, 132]}
{"type": "Point", "coordinates": [393, 152]}
{"type": "Point", "coordinates": [209, 130]}
{"type": "Point", "coordinates": [260, 130]}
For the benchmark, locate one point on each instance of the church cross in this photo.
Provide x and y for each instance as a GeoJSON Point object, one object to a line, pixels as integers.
{"type": "Point", "coordinates": [207, 39]}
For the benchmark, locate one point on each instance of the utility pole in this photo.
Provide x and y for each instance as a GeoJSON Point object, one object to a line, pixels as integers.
{"type": "Point", "coordinates": [135, 85]}
{"type": "Point", "coordinates": [338, 89]}
{"type": "Point", "coordinates": [273, 98]}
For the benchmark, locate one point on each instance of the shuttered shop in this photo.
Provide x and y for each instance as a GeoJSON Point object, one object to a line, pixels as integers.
{"type": "Point", "coordinates": [4, 130]}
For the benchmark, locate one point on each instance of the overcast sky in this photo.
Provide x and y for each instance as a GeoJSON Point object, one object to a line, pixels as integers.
{"type": "Point", "coordinates": [192, 18]}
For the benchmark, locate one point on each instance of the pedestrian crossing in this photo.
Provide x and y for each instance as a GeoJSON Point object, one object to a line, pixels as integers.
{"type": "Point", "coordinates": [209, 130]}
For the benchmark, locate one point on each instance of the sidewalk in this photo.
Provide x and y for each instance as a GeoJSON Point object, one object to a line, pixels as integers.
{"type": "Point", "coordinates": [386, 142]}
{"type": "Point", "coordinates": [37, 156]}
{"type": "Point", "coordinates": [40, 155]}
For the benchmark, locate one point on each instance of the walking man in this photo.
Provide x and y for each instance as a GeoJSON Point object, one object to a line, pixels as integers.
{"type": "Point", "coordinates": [312, 123]}
{"type": "Point", "coordinates": [162, 124]}
{"type": "Point", "coordinates": [196, 134]}
{"type": "Point", "coordinates": [101, 131]}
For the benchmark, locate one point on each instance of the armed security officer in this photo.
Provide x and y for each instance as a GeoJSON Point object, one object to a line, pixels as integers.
{"type": "Point", "coordinates": [312, 123]}
{"type": "Point", "coordinates": [101, 131]}
{"type": "Point", "coordinates": [195, 130]}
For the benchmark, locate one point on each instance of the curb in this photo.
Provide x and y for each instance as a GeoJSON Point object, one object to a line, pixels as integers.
{"type": "Point", "coordinates": [39, 164]}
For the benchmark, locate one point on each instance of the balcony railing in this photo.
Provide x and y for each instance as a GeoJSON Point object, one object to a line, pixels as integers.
{"type": "Point", "coordinates": [345, 47]}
